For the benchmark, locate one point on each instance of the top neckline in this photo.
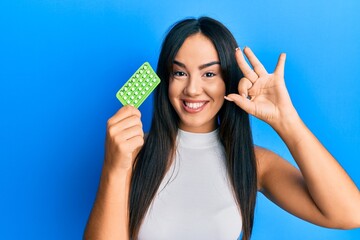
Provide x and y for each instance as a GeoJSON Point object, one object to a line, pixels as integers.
{"type": "Point", "coordinates": [197, 140]}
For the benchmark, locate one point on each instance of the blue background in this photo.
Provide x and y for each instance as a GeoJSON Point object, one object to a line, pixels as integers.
{"type": "Point", "coordinates": [61, 63]}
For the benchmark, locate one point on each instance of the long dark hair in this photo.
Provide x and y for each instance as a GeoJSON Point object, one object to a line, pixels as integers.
{"type": "Point", "coordinates": [234, 128]}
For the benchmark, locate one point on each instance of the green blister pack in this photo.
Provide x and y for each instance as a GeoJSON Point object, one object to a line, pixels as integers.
{"type": "Point", "coordinates": [139, 86]}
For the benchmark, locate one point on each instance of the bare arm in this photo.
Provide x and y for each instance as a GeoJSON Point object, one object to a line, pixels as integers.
{"type": "Point", "coordinates": [109, 218]}
{"type": "Point", "coordinates": [326, 187]}
{"type": "Point", "coordinates": [321, 192]}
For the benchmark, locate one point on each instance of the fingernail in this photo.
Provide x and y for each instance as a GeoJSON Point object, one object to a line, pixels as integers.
{"type": "Point", "coordinates": [229, 99]}
{"type": "Point", "coordinates": [237, 49]}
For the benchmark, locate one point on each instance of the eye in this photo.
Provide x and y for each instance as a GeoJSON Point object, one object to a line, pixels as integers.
{"type": "Point", "coordinates": [179, 74]}
{"type": "Point", "coordinates": [209, 74]}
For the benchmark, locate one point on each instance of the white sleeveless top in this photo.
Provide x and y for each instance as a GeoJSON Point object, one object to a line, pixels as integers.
{"type": "Point", "coordinates": [194, 200]}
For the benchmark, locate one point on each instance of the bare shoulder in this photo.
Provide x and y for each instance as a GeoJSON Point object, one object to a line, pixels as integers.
{"type": "Point", "coordinates": [270, 164]}
{"type": "Point", "coordinates": [262, 156]}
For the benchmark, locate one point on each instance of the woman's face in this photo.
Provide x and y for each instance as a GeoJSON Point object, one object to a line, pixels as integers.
{"type": "Point", "coordinates": [196, 87]}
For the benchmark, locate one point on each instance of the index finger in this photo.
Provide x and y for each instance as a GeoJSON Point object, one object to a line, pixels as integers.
{"type": "Point", "coordinates": [123, 113]}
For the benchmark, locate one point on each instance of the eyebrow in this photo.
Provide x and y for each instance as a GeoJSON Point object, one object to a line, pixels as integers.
{"type": "Point", "coordinates": [200, 67]}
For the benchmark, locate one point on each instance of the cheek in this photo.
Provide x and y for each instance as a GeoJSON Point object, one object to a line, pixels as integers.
{"type": "Point", "coordinates": [173, 91]}
{"type": "Point", "coordinates": [220, 93]}
{"type": "Point", "coordinates": [217, 90]}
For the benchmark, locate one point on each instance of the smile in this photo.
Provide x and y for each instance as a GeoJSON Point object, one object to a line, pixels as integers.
{"type": "Point", "coordinates": [193, 107]}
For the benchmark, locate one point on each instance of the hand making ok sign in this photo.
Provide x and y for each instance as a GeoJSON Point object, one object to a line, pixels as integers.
{"type": "Point", "coordinates": [262, 94]}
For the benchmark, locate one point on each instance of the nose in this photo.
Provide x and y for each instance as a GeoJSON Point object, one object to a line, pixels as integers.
{"type": "Point", "coordinates": [193, 87]}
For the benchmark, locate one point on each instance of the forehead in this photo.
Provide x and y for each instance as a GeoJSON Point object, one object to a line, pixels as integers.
{"type": "Point", "coordinates": [197, 49]}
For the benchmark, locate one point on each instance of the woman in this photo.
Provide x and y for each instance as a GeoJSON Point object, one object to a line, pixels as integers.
{"type": "Point", "coordinates": [197, 173]}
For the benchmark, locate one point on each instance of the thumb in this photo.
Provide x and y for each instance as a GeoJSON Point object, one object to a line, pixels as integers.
{"type": "Point", "coordinates": [242, 101]}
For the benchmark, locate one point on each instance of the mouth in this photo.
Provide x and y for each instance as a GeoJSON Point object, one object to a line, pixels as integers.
{"type": "Point", "coordinates": [194, 106]}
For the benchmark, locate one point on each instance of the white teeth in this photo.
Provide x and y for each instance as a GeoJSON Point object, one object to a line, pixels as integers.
{"type": "Point", "coordinates": [194, 105]}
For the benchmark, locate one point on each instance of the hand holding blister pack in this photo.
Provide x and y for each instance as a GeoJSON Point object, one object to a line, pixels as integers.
{"type": "Point", "coordinates": [139, 86]}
